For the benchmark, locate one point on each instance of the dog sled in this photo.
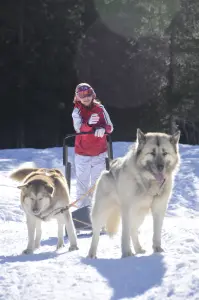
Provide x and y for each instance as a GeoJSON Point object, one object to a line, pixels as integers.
{"type": "Point", "coordinates": [81, 216]}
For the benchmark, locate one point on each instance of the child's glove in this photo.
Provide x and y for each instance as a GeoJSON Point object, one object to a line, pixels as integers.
{"type": "Point", "coordinates": [99, 132]}
{"type": "Point", "coordinates": [94, 118]}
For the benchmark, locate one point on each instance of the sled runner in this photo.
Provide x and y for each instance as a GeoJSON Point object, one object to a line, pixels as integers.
{"type": "Point", "coordinates": [81, 216]}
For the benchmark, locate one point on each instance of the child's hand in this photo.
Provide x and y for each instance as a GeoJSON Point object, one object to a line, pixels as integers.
{"type": "Point", "coordinates": [99, 132]}
{"type": "Point", "coordinates": [94, 118]}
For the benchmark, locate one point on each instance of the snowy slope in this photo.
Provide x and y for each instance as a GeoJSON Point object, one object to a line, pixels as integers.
{"type": "Point", "coordinates": [50, 274]}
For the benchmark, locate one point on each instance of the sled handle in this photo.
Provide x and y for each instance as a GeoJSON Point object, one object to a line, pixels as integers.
{"type": "Point", "coordinates": [65, 145]}
{"type": "Point", "coordinates": [67, 164]}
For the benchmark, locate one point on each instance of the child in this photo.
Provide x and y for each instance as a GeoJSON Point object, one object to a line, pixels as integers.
{"type": "Point", "coordinates": [90, 150]}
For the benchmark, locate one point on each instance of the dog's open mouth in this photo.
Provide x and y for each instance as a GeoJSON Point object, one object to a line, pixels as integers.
{"type": "Point", "coordinates": [160, 178]}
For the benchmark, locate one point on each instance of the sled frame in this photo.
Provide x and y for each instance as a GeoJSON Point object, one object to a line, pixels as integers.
{"type": "Point", "coordinates": [67, 164]}
{"type": "Point", "coordinates": [67, 169]}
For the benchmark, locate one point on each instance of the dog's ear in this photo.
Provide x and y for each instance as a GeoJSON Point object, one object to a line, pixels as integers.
{"type": "Point", "coordinates": [141, 138]}
{"type": "Point", "coordinates": [50, 189]}
{"type": "Point", "coordinates": [175, 137]}
{"type": "Point", "coordinates": [23, 186]}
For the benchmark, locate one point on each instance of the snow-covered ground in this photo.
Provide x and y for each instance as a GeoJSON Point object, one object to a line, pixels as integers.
{"type": "Point", "coordinates": [50, 274]}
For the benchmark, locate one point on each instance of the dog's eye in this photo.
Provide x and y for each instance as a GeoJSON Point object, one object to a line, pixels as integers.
{"type": "Point", "coordinates": [40, 199]}
{"type": "Point", "coordinates": [153, 153]}
{"type": "Point", "coordinates": [164, 153]}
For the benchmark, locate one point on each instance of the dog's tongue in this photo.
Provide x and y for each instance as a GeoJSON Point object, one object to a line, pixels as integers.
{"type": "Point", "coordinates": [159, 177]}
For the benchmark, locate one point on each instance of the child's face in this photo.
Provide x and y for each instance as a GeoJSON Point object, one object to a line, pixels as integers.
{"type": "Point", "coordinates": [86, 100]}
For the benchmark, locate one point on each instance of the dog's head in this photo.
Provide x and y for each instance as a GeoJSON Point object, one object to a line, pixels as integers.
{"type": "Point", "coordinates": [36, 196]}
{"type": "Point", "coordinates": [157, 154]}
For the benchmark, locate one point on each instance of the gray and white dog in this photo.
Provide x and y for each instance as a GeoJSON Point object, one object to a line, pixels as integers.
{"type": "Point", "coordinates": [140, 181]}
{"type": "Point", "coordinates": [43, 193]}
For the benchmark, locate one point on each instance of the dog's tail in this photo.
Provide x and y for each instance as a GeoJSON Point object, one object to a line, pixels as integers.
{"type": "Point", "coordinates": [113, 221]}
{"type": "Point", "coordinates": [23, 171]}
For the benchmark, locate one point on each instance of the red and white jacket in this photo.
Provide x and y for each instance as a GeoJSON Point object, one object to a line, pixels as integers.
{"type": "Point", "coordinates": [90, 145]}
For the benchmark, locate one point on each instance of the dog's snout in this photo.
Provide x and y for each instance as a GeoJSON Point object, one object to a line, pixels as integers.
{"type": "Point", "coordinates": [35, 209]}
{"type": "Point", "coordinates": [160, 167]}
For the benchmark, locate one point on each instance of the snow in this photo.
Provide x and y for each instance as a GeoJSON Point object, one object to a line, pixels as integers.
{"type": "Point", "coordinates": [49, 274]}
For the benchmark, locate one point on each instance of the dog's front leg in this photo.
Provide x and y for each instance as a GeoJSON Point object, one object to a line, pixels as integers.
{"type": "Point", "coordinates": [38, 234]}
{"type": "Point", "coordinates": [70, 230]}
{"type": "Point", "coordinates": [60, 235]}
{"type": "Point", "coordinates": [158, 210]}
{"type": "Point", "coordinates": [126, 231]}
{"type": "Point", "coordinates": [137, 220]}
{"type": "Point", "coordinates": [31, 226]}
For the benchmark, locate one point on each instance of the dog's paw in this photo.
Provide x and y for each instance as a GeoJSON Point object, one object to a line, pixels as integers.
{"type": "Point", "coordinates": [73, 248]}
{"type": "Point", "coordinates": [37, 245]}
{"type": "Point", "coordinates": [92, 256]}
{"type": "Point", "coordinates": [127, 254]}
{"type": "Point", "coordinates": [158, 249]}
{"type": "Point", "coordinates": [27, 251]}
{"type": "Point", "coordinates": [60, 245]}
{"type": "Point", "coordinates": [140, 251]}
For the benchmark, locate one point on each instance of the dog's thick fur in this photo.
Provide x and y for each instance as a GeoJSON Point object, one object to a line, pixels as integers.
{"type": "Point", "coordinates": [42, 192]}
{"type": "Point", "coordinates": [140, 181]}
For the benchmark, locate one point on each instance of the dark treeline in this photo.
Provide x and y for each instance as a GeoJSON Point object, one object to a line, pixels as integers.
{"type": "Point", "coordinates": [141, 57]}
